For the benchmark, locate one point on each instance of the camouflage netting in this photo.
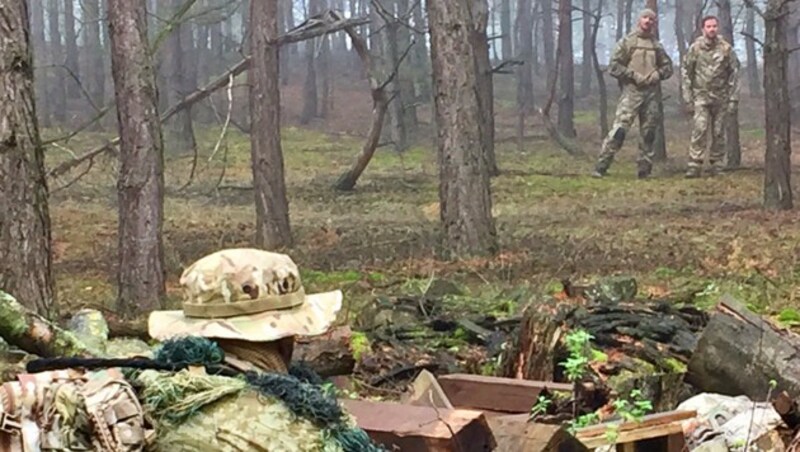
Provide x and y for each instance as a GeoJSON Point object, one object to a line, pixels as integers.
{"type": "Point", "coordinates": [300, 392]}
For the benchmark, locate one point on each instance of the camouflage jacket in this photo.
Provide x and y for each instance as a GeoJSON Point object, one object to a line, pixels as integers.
{"type": "Point", "coordinates": [710, 72]}
{"type": "Point", "coordinates": [639, 53]}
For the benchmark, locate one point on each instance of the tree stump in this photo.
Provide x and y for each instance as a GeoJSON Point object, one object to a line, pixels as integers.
{"type": "Point", "coordinates": [646, 344]}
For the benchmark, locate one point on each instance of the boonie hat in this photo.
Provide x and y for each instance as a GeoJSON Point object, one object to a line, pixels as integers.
{"type": "Point", "coordinates": [246, 294]}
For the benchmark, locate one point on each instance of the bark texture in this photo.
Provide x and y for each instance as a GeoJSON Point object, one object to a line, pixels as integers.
{"type": "Point", "coordinates": [464, 187]}
{"type": "Point", "coordinates": [777, 171]}
{"type": "Point", "coordinates": [272, 206]}
{"type": "Point", "coordinates": [733, 147]}
{"type": "Point", "coordinates": [566, 92]}
{"type": "Point", "coordinates": [25, 237]}
{"type": "Point", "coordinates": [140, 185]}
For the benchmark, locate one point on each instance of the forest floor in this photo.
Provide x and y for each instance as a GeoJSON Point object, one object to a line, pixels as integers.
{"type": "Point", "coordinates": [702, 237]}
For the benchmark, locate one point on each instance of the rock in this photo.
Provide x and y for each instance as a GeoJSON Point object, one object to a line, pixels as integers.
{"type": "Point", "coordinates": [91, 328]}
{"type": "Point", "coordinates": [613, 290]}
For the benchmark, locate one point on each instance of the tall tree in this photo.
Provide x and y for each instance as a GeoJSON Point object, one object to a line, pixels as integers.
{"type": "Point", "coordinates": [59, 92]}
{"type": "Point", "coordinates": [660, 142]}
{"type": "Point", "coordinates": [140, 185]}
{"type": "Point", "coordinates": [733, 147]}
{"type": "Point", "coordinates": [523, 30]}
{"type": "Point", "coordinates": [479, 14]}
{"type": "Point", "coordinates": [176, 74]}
{"type": "Point", "coordinates": [93, 48]}
{"type": "Point", "coordinates": [566, 97]}
{"type": "Point", "coordinates": [505, 28]}
{"type": "Point", "coordinates": [546, 8]}
{"type": "Point", "coordinates": [464, 184]}
{"type": "Point", "coordinates": [586, 62]}
{"type": "Point", "coordinates": [25, 237]}
{"type": "Point", "coordinates": [777, 171]}
{"type": "Point", "coordinates": [40, 57]}
{"type": "Point", "coordinates": [71, 42]}
{"type": "Point", "coordinates": [753, 80]}
{"type": "Point", "coordinates": [272, 206]}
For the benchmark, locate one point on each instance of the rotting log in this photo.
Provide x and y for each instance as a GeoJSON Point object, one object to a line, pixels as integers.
{"type": "Point", "coordinates": [328, 354]}
{"type": "Point", "coordinates": [34, 334]}
{"type": "Point", "coordinates": [649, 341]}
{"type": "Point", "coordinates": [513, 433]}
{"type": "Point", "coordinates": [740, 353]}
{"type": "Point", "coordinates": [421, 428]}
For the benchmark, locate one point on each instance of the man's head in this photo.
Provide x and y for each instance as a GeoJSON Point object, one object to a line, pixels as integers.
{"type": "Point", "coordinates": [710, 26]}
{"type": "Point", "coordinates": [647, 21]}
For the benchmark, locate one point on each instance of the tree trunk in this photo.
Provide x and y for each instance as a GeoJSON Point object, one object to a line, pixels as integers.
{"type": "Point", "coordinates": [59, 92]}
{"type": "Point", "coordinates": [621, 19]}
{"type": "Point", "coordinates": [181, 133]}
{"type": "Point", "coordinates": [505, 28]}
{"type": "Point", "coordinates": [732, 145]}
{"type": "Point", "coordinates": [753, 80]}
{"type": "Point", "coordinates": [628, 14]}
{"type": "Point", "coordinates": [398, 130]}
{"type": "Point", "coordinates": [71, 41]}
{"type": "Point", "coordinates": [272, 206]}
{"type": "Point", "coordinates": [95, 63]}
{"type": "Point", "coordinates": [25, 237]}
{"type": "Point", "coordinates": [524, 34]}
{"type": "Point", "coordinates": [421, 60]}
{"type": "Point", "coordinates": [777, 171]}
{"type": "Point", "coordinates": [326, 84]}
{"type": "Point", "coordinates": [548, 35]}
{"type": "Point", "coordinates": [601, 82]}
{"type": "Point", "coordinates": [483, 71]}
{"type": "Point", "coordinates": [40, 57]}
{"type": "Point", "coordinates": [739, 353]}
{"type": "Point", "coordinates": [141, 275]}
{"type": "Point", "coordinates": [660, 141]}
{"type": "Point", "coordinates": [566, 95]}
{"type": "Point", "coordinates": [405, 75]}
{"type": "Point", "coordinates": [680, 36]}
{"type": "Point", "coordinates": [464, 184]}
{"type": "Point", "coordinates": [310, 106]}
{"type": "Point", "coordinates": [588, 48]}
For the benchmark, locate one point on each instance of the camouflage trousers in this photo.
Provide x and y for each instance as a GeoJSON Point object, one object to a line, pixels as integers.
{"type": "Point", "coordinates": [633, 104]}
{"type": "Point", "coordinates": [708, 122]}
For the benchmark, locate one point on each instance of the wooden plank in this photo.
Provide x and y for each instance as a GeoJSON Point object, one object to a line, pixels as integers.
{"type": "Point", "coordinates": [515, 434]}
{"type": "Point", "coordinates": [650, 420]}
{"type": "Point", "coordinates": [419, 428]}
{"type": "Point", "coordinates": [508, 395]}
{"type": "Point", "coordinates": [426, 391]}
{"type": "Point", "coordinates": [631, 436]}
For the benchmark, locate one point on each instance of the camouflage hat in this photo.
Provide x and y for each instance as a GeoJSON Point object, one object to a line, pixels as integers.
{"type": "Point", "coordinates": [246, 294]}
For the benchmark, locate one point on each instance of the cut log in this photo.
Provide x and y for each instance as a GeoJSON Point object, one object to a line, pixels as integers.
{"type": "Point", "coordinates": [418, 428]}
{"type": "Point", "coordinates": [34, 334]}
{"type": "Point", "coordinates": [328, 354]}
{"type": "Point", "coordinates": [505, 395]}
{"type": "Point", "coordinates": [515, 434]}
{"type": "Point", "coordinates": [740, 353]}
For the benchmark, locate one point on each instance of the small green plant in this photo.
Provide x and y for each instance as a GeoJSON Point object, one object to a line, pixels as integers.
{"type": "Point", "coordinates": [612, 433]}
{"type": "Point", "coordinates": [580, 354]}
{"type": "Point", "coordinates": [540, 407]}
{"type": "Point", "coordinates": [634, 410]}
{"type": "Point", "coordinates": [581, 421]}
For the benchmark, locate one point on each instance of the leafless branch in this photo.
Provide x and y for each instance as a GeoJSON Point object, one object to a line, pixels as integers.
{"type": "Point", "coordinates": [753, 38]}
{"type": "Point", "coordinates": [227, 120]}
{"type": "Point", "coordinates": [501, 68]}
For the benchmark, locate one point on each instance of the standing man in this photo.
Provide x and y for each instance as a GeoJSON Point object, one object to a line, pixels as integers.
{"type": "Point", "coordinates": [639, 63]}
{"type": "Point", "coordinates": [710, 73]}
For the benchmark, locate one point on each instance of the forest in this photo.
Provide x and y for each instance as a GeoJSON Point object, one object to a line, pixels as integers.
{"type": "Point", "coordinates": [433, 160]}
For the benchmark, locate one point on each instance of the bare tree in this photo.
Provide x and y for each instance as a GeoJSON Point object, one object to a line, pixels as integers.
{"type": "Point", "coordinates": [732, 144]}
{"type": "Point", "coordinates": [505, 28]}
{"type": "Point", "coordinates": [140, 186]}
{"type": "Point", "coordinates": [479, 13]}
{"type": "Point", "coordinates": [25, 237]}
{"type": "Point", "coordinates": [71, 42]}
{"type": "Point", "coordinates": [464, 186]}
{"type": "Point", "coordinates": [95, 63]}
{"type": "Point", "coordinates": [601, 82]}
{"type": "Point", "coordinates": [753, 79]}
{"type": "Point", "coordinates": [272, 206]}
{"type": "Point", "coordinates": [777, 161]}
{"type": "Point", "coordinates": [586, 62]}
{"type": "Point", "coordinates": [524, 33]}
{"type": "Point", "coordinates": [548, 34]}
{"type": "Point", "coordinates": [181, 134]}
{"type": "Point", "coordinates": [58, 96]}
{"type": "Point", "coordinates": [566, 96]}
{"type": "Point", "coordinates": [660, 142]}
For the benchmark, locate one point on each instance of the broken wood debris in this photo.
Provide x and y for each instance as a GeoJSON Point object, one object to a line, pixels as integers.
{"type": "Point", "coordinates": [498, 394]}
{"type": "Point", "coordinates": [666, 427]}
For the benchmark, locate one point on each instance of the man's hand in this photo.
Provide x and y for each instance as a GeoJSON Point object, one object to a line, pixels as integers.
{"type": "Point", "coordinates": [639, 79]}
{"type": "Point", "coordinates": [653, 78]}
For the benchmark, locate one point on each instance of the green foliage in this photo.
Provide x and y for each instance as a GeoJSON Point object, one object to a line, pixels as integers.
{"type": "Point", "coordinates": [580, 354]}
{"type": "Point", "coordinates": [540, 407]}
{"type": "Point", "coordinates": [360, 344]}
{"type": "Point", "coordinates": [633, 410]}
{"type": "Point", "coordinates": [582, 421]}
{"type": "Point", "coordinates": [789, 317]}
